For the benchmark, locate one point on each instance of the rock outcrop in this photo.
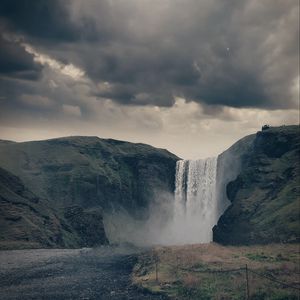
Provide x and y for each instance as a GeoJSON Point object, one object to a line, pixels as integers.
{"type": "Point", "coordinates": [73, 180]}
{"type": "Point", "coordinates": [25, 220]}
{"type": "Point", "coordinates": [87, 224]}
{"type": "Point", "coordinates": [265, 195]}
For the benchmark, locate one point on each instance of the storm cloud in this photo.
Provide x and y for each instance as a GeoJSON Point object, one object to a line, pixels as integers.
{"type": "Point", "coordinates": [64, 58]}
{"type": "Point", "coordinates": [233, 53]}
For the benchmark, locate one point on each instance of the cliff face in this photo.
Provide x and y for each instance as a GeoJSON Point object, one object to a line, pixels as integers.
{"type": "Point", "coordinates": [228, 167]}
{"type": "Point", "coordinates": [75, 179]}
{"type": "Point", "coordinates": [28, 221]}
{"type": "Point", "coordinates": [25, 220]}
{"type": "Point", "coordinates": [265, 195]}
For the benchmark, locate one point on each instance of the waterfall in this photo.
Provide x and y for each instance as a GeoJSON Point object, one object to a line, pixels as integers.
{"type": "Point", "coordinates": [187, 218]}
{"type": "Point", "coordinates": [196, 206]}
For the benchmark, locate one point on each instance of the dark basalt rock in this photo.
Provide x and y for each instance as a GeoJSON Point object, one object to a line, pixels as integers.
{"type": "Point", "coordinates": [264, 196]}
{"type": "Point", "coordinates": [88, 224]}
{"type": "Point", "coordinates": [25, 222]}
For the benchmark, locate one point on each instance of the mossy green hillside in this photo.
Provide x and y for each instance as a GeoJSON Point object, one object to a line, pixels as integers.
{"type": "Point", "coordinates": [78, 178]}
{"type": "Point", "coordinates": [265, 195]}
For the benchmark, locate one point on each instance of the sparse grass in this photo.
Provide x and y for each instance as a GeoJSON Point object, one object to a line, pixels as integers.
{"type": "Point", "coordinates": [183, 271]}
{"type": "Point", "coordinates": [260, 257]}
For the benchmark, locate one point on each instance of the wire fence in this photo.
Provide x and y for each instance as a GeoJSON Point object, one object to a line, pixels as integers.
{"type": "Point", "coordinates": [245, 269]}
{"type": "Point", "coordinates": [287, 285]}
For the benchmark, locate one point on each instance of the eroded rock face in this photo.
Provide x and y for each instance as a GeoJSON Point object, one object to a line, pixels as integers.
{"type": "Point", "coordinates": [74, 179]}
{"type": "Point", "coordinates": [88, 225]}
{"type": "Point", "coordinates": [264, 196]}
{"type": "Point", "coordinates": [25, 220]}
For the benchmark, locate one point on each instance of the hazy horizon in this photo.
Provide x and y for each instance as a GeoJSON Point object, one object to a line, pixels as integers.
{"type": "Point", "coordinates": [215, 153]}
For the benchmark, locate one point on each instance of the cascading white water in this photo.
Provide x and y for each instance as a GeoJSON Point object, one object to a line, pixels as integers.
{"type": "Point", "coordinates": [196, 199]}
{"type": "Point", "coordinates": [200, 199]}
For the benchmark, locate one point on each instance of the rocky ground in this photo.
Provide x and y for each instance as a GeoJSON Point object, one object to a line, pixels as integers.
{"type": "Point", "coordinates": [102, 273]}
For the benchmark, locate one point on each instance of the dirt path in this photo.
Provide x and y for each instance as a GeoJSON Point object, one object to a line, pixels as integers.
{"type": "Point", "coordinates": [102, 273]}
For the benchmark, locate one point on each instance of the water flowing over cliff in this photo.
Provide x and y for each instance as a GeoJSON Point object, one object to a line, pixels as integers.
{"type": "Point", "coordinates": [187, 217]}
{"type": "Point", "coordinates": [195, 204]}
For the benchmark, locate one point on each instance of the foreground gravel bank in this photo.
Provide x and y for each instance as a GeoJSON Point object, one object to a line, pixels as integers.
{"type": "Point", "coordinates": [102, 273]}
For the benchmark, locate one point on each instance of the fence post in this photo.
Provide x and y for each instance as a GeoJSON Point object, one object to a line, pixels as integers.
{"type": "Point", "coordinates": [156, 271]}
{"type": "Point", "coordinates": [247, 284]}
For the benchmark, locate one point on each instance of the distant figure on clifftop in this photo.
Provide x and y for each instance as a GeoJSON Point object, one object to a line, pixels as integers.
{"type": "Point", "coordinates": [265, 127]}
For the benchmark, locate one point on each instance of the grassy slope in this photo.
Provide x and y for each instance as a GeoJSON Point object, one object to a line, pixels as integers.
{"type": "Point", "coordinates": [74, 178]}
{"type": "Point", "coordinates": [182, 271]}
{"type": "Point", "coordinates": [265, 196]}
{"type": "Point", "coordinates": [89, 170]}
{"type": "Point", "coordinates": [25, 220]}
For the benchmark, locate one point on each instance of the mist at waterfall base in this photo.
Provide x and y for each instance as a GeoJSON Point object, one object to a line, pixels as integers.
{"type": "Point", "coordinates": [185, 217]}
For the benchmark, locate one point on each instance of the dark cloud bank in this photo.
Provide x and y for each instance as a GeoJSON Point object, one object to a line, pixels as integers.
{"type": "Point", "coordinates": [218, 53]}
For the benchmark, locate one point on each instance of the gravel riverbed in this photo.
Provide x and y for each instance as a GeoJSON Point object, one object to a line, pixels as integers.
{"type": "Point", "coordinates": [101, 273]}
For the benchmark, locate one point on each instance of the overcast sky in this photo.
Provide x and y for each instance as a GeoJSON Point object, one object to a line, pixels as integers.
{"type": "Point", "coordinates": [192, 76]}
